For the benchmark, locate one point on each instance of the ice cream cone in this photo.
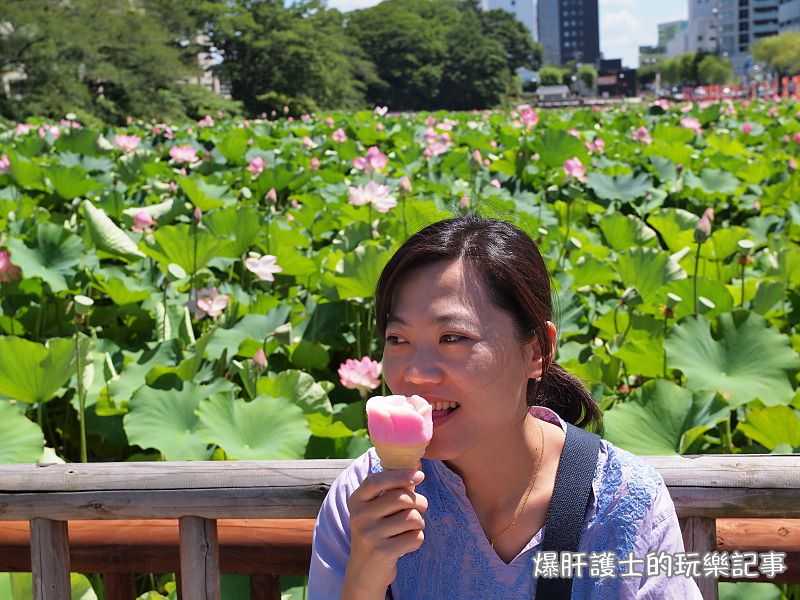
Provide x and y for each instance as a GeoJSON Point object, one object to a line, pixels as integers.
{"type": "Point", "coordinates": [400, 457]}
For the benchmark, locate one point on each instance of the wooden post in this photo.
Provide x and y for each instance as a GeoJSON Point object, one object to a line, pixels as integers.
{"type": "Point", "coordinates": [199, 559]}
{"type": "Point", "coordinates": [265, 587]}
{"type": "Point", "coordinates": [700, 535]}
{"type": "Point", "coordinates": [119, 586]}
{"type": "Point", "coordinates": [50, 560]}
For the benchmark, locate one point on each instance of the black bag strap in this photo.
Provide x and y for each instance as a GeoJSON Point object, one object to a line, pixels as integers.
{"type": "Point", "coordinates": [567, 512]}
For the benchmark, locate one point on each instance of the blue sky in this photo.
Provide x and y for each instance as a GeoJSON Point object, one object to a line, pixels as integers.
{"type": "Point", "coordinates": [624, 24]}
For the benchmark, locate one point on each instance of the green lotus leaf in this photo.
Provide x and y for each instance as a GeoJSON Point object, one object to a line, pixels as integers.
{"type": "Point", "coordinates": [71, 182]}
{"type": "Point", "coordinates": [624, 231]}
{"type": "Point", "coordinates": [27, 174]}
{"type": "Point", "coordinates": [648, 269]}
{"type": "Point", "coordinates": [589, 270]}
{"type": "Point", "coordinates": [297, 386]}
{"type": "Point", "coordinates": [676, 227]}
{"type": "Point", "coordinates": [749, 591]}
{"type": "Point", "coordinates": [556, 146]}
{"type": "Point", "coordinates": [202, 194]}
{"type": "Point", "coordinates": [625, 188]}
{"type": "Point", "coordinates": [746, 359]}
{"type": "Point", "coordinates": [266, 428]}
{"type": "Point", "coordinates": [167, 421]}
{"type": "Point", "coordinates": [107, 236]}
{"type": "Point", "coordinates": [726, 145]}
{"type": "Point", "coordinates": [360, 272]}
{"type": "Point", "coordinates": [31, 372]}
{"type": "Point", "coordinates": [134, 370]}
{"type": "Point", "coordinates": [708, 288]}
{"type": "Point", "coordinates": [239, 224]}
{"type": "Point", "coordinates": [772, 426]}
{"type": "Point", "coordinates": [665, 169]}
{"type": "Point", "coordinates": [21, 440]}
{"type": "Point", "coordinates": [54, 257]}
{"type": "Point", "coordinates": [643, 352]}
{"type": "Point", "coordinates": [713, 181]}
{"type": "Point", "coordinates": [659, 415]}
{"type": "Point", "coordinates": [179, 244]}
{"type": "Point", "coordinates": [124, 290]}
{"type": "Point", "coordinates": [233, 145]}
{"type": "Point", "coordinates": [325, 427]}
{"type": "Point", "coordinates": [21, 586]}
{"type": "Point", "coordinates": [309, 355]}
{"type": "Point", "coordinates": [251, 327]}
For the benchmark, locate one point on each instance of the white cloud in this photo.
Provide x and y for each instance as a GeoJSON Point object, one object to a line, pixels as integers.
{"type": "Point", "coordinates": [346, 5]}
{"type": "Point", "coordinates": [621, 34]}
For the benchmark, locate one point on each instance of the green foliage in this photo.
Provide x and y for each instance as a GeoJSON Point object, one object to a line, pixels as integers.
{"type": "Point", "coordinates": [550, 75]}
{"type": "Point", "coordinates": [779, 52]}
{"type": "Point", "coordinates": [712, 70]}
{"type": "Point", "coordinates": [588, 75]}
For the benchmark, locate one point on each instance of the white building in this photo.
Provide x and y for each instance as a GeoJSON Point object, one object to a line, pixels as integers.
{"type": "Point", "coordinates": [789, 15]}
{"type": "Point", "coordinates": [525, 11]}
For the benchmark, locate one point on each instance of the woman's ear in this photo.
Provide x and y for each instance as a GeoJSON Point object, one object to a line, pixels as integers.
{"type": "Point", "coordinates": [535, 371]}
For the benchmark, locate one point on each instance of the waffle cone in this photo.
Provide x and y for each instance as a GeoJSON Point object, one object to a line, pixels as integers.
{"type": "Point", "coordinates": [400, 457]}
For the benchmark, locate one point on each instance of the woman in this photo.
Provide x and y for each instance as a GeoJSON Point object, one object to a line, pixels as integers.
{"type": "Point", "coordinates": [464, 308]}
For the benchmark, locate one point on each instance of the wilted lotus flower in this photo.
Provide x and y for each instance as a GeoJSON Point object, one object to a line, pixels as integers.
{"type": "Point", "coordinates": [642, 135]}
{"type": "Point", "coordinates": [702, 230]}
{"type": "Point", "coordinates": [127, 143]}
{"type": "Point", "coordinates": [8, 270]}
{"type": "Point", "coordinates": [209, 303]}
{"type": "Point", "coordinates": [362, 375]}
{"type": "Point", "coordinates": [264, 267]}
{"type": "Point", "coordinates": [693, 124]}
{"type": "Point", "coordinates": [5, 164]}
{"type": "Point", "coordinates": [142, 221]}
{"type": "Point", "coordinates": [573, 167]}
{"type": "Point", "coordinates": [373, 193]}
{"type": "Point", "coordinates": [183, 154]}
{"type": "Point", "coordinates": [256, 166]}
{"type": "Point", "coordinates": [339, 136]}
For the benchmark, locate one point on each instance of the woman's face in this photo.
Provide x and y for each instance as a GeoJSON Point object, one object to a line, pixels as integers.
{"type": "Point", "coordinates": [446, 341]}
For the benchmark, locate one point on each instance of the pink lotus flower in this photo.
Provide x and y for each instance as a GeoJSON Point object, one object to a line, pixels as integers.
{"type": "Point", "coordinates": [206, 121]}
{"type": "Point", "coordinates": [260, 359]}
{"type": "Point", "coordinates": [183, 154]}
{"type": "Point", "coordinates": [381, 111]}
{"type": "Point", "coordinates": [362, 375]}
{"type": "Point", "coordinates": [314, 164]}
{"type": "Point", "coordinates": [687, 107]}
{"type": "Point", "coordinates": [264, 267]}
{"type": "Point", "coordinates": [662, 104]}
{"type": "Point", "coordinates": [256, 166]}
{"type": "Point", "coordinates": [51, 129]}
{"type": "Point", "coordinates": [70, 124]}
{"type": "Point", "coordinates": [373, 160]}
{"type": "Point", "coordinates": [435, 149]}
{"type": "Point", "coordinates": [339, 136]}
{"type": "Point", "coordinates": [271, 196]}
{"type": "Point", "coordinates": [294, 203]}
{"type": "Point", "coordinates": [8, 270]}
{"type": "Point", "coordinates": [796, 137]}
{"type": "Point", "coordinates": [477, 158]}
{"type": "Point", "coordinates": [493, 144]}
{"type": "Point", "coordinates": [308, 143]}
{"type": "Point", "coordinates": [693, 124]}
{"type": "Point", "coordinates": [22, 128]}
{"type": "Point", "coordinates": [773, 112]}
{"type": "Point", "coordinates": [495, 183]}
{"type": "Point", "coordinates": [127, 143]}
{"type": "Point", "coordinates": [209, 303]}
{"type": "Point", "coordinates": [747, 128]}
{"type": "Point", "coordinates": [702, 230]}
{"type": "Point", "coordinates": [598, 145]}
{"type": "Point", "coordinates": [642, 135]}
{"type": "Point", "coordinates": [142, 221]}
{"type": "Point", "coordinates": [573, 167]}
{"type": "Point", "coordinates": [574, 133]}
{"type": "Point", "coordinates": [792, 164]}
{"type": "Point", "coordinates": [5, 164]}
{"type": "Point", "coordinates": [405, 185]}
{"type": "Point", "coordinates": [329, 121]}
{"type": "Point", "coordinates": [430, 134]}
{"type": "Point", "coordinates": [305, 118]}
{"type": "Point", "coordinates": [430, 121]}
{"type": "Point", "coordinates": [464, 202]}
{"type": "Point", "coordinates": [528, 116]}
{"type": "Point", "coordinates": [373, 193]}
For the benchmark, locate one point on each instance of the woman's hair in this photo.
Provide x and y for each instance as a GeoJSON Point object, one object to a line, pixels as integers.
{"type": "Point", "coordinates": [509, 264]}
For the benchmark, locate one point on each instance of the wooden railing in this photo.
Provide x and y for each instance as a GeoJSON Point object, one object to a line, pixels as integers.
{"type": "Point", "coordinates": [198, 494]}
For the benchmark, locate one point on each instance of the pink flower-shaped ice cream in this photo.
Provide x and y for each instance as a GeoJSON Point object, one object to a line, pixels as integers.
{"type": "Point", "coordinates": [401, 428]}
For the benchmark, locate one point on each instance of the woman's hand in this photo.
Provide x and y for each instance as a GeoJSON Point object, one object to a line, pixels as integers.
{"type": "Point", "coordinates": [385, 523]}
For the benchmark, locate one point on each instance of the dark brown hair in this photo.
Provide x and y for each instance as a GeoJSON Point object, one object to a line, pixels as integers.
{"type": "Point", "coordinates": [508, 262]}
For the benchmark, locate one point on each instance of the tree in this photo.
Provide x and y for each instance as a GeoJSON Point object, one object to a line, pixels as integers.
{"type": "Point", "coordinates": [106, 59]}
{"type": "Point", "coordinates": [780, 53]}
{"type": "Point", "coordinates": [521, 50]}
{"type": "Point", "coordinates": [588, 75]}
{"type": "Point", "coordinates": [713, 70]}
{"type": "Point", "coordinates": [551, 75]}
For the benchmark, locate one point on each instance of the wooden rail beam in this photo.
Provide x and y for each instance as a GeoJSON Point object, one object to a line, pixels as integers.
{"type": "Point", "coordinates": [50, 560]}
{"type": "Point", "coordinates": [199, 559]}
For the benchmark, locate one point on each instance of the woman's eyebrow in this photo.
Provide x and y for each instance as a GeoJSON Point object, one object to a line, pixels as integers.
{"type": "Point", "coordinates": [445, 319]}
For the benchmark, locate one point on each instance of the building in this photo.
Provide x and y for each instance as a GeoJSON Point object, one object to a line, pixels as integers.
{"type": "Point", "coordinates": [673, 40]}
{"type": "Point", "coordinates": [615, 80]}
{"type": "Point", "coordinates": [789, 15]}
{"type": "Point", "coordinates": [569, 30]}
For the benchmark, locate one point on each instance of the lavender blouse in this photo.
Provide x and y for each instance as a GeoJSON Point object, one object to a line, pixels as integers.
{"type": "Point", "coordinates": [630, 515]}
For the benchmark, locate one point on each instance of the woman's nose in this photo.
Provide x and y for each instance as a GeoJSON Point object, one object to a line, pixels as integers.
{"type": "Point", "coordinates": [422, 368]}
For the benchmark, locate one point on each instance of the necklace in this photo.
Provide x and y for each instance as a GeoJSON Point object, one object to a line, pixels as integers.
{"type": "Point", "coordinates": [530, 487]}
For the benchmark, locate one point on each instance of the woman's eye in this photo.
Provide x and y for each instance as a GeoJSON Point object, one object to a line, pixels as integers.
{"type": "Point", "coordinates": [453, 335]}
{"type": "Point", "coordinates": [392, 339]}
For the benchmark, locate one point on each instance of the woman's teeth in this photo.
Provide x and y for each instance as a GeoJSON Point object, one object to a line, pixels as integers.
{"type": "Point", "coordinates": [443, 405]}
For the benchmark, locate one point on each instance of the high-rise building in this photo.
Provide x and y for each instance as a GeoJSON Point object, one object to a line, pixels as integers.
{"type": "Point", "coordinates": [569, 30]}
{"type": "Point", "coordinates": [524, 10]}
{"type": "Point", "coordinates": [789, 15]}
